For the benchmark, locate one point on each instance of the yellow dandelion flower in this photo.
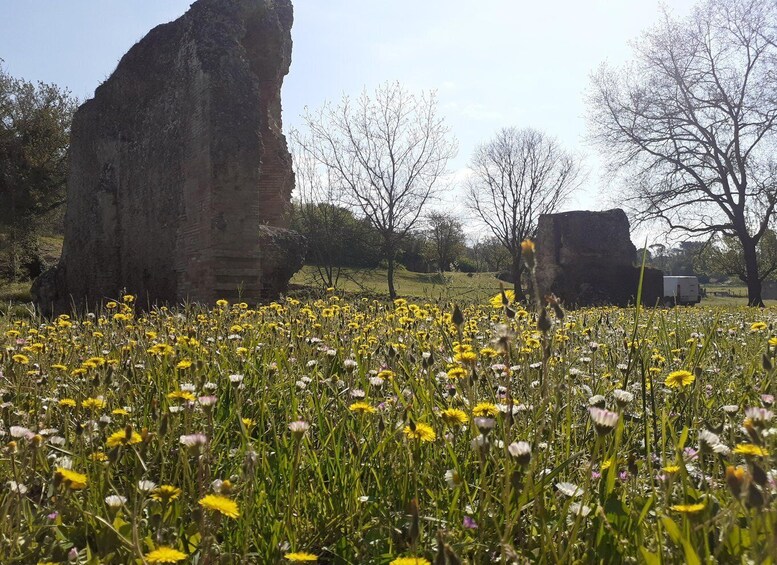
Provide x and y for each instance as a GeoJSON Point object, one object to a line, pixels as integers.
{"type": "Point", "coordinates": [671, 469]}
{"type": "Point", "coordinates": [20, 359]}
{"type": "Point", "coordinates": [166, 493]}
{"type": "Point", "coordinates": [750, 449]}
{"type": "Point", "coordinates": [67, 403]}
{"type": "Point", "coordinates": [454, 417]}
{"type": "Point", "coordinates": [489, 352]}
{"type": "Point", "coordinates": [161, 349]}
{"type": "Point", "coordinates": [466, 357]}
{"type": "Point", "coordinates": [119, 412]}
{"type": "Point", "coordinates": [300, 557]}
{"type": "Point", "coordinates": [758, 326]}
{"type": "Point", "coordinates": [98, 457]}
{"type": "Point", "coordinates": [485, 410]}
{"type": "Point", "coordinates": [96, 361]}
{"type": "Point", "coordinates": [678, 379]}
{"type": "Point", "coordinates": [71, 479]}
{"type": "Point", "coordinates": [183, 395]}
{"type": "Point", "coordinates": [457, 373]}
{"type": "Point", "coordinates": [410, 561]}
{"type": "Point", "coordinates": [184, 364]}
{"type": "Point", "coordinates": [248, 422]}
{"type": "Point", "coordinates": [93, 404]}
{"type": "Point", "coordinates": [496, 300]}
{"type": "Point", "coordinates": [689, 508]}
{"type": "Point", "coordinates": [164, 554]}
{"type": "Point", "coordinates": [120, 438]}
{"type": "Point", "coordinates": [221, 504]}
{"type": "Point", "coordinates": [362, 408]}
{"type": "Point", "coordinates": [420, 431]}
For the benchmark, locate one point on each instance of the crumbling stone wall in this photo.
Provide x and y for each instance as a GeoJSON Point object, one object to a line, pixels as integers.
{"type": "Point", "coordinates": [587, 259]}
{"type": "Point", "coordinates": [179, 161]}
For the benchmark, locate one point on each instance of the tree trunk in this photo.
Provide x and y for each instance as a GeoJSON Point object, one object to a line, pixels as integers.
{"type": "Point", "coordinates": [751, 271]}
{"type": "Point", "coordinates": [515, 272]}
{"type": "Point", "coordinates": [392, 292]}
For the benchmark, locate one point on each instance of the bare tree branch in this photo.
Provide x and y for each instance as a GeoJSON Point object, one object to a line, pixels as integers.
{"type": "Point", "coordinates": [386, 155]}
{"type": "Point", "coordinates": [517, 176]}
{"type": "Point", "coordinates": [688, 127]}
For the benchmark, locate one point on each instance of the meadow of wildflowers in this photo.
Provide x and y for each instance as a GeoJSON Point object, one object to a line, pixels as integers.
{"type": "Point", "coordinates": [361, 431]}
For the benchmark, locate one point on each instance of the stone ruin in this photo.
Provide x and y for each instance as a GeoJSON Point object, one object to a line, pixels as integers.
{"type": "Point", "coordinates": [181, 180]}
{"type": "Point", "coordinates": [587, 259]}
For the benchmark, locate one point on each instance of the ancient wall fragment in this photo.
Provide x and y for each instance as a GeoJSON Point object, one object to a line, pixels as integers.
{"type": "Point", "coordinates": [178, 162]}
{"type": "Point", "coordinates": [587, 258]}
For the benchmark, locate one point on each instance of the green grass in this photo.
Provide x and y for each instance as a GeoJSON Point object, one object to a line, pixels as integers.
{"type": "Point", "coordinates": [428, 286]}
{"type": "Point", "coordinates": [50, 248]}
{"type": "Point", "coordinates": [15, 291]}
{"type": "Point", "coordinates": [729, 295]}
{"type": "Point", "coordinates": [431, 286]}
{"type": "Point", "coordinates": [17, 294]}
{"type": "Point", "coordinates": [118, 396]}
{"type": "Point", "coordinates": [15, 299]}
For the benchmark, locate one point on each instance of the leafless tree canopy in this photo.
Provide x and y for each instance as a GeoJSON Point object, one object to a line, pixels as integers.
{"type": "Point", "coordinates": [517, 176]}
{"type": "Point", "coordinates": [318, 209]}
{"type": "Point", "coordinates": [689, 124]}
{"type": "Point", "coordinates": [386, 153]}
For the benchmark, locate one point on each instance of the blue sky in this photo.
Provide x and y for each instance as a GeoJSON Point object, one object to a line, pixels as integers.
{"type": "Point", "coordinates": [494, 63]}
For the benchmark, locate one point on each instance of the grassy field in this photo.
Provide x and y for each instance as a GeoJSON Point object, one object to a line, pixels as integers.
{"type": "Point", "coordinates": [360, 431]}
{"type": "Point", "coordinates": [427, 286]}
{"type": "Point", "coordinates": [432, 286]}
{"type": "Point", "coordinates": [19, 292]}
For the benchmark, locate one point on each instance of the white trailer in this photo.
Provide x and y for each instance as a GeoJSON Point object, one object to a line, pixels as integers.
{"type": "Point", "coordinates": [681, 290]}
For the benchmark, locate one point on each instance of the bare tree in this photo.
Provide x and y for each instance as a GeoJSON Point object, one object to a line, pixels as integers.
{"type": "Point", "coordinates": [447, 238]}
{"type": "Point", "coordinates": [318, 213]}
{"type": "Point", "coordinates": [386, 153]}
{"type": "Point", "coordinates": [516, 177]}
{"type": "Point", "coordinates": [690, 122]}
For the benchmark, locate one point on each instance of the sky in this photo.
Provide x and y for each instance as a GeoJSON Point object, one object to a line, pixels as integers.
{"type": "Point", "coordinates": [493, 63]}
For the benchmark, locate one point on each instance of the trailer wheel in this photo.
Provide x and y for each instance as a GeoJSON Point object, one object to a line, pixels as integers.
{"type": "Point", "coordinates": [668, 302]}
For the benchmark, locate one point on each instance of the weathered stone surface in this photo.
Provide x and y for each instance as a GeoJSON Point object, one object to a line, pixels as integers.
{"type": "Point", "coordinates": [587, 258]}
{"type": "Point", "coordinates": [179, 161]}
{"type": "Point", "coordinates": [283, 252]}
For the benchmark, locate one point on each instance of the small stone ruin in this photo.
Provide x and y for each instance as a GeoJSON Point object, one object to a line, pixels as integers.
{"type": "Point", "coordinates": [181, 179]}
{"type": "Point", "coordinates": [587, 259]}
